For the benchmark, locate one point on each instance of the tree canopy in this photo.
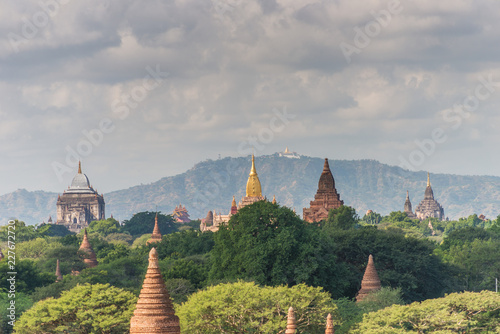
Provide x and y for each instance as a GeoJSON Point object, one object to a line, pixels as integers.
{"type": "Point", "coordinates": [84, 309]}
{"type": "Point", "coordinates": [244, 307]}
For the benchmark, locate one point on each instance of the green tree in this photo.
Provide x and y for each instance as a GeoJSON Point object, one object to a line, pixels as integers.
{"type": "Point", "coordinates": [377, 300]}
{"type": "Point", "coordinates": [22, 303]}
{"type": "Point", "coordinates": [28, 276]}
{"type": "Point", "coordinates": [401, 261]}
{"type": "Point", "coordinates": [265, 243]}
{"type": "Point", "coordinates": [35, 248]}
{"type": "Point", "coordinates": [466, 312]}
{"type": "Point", "coordinates": [344, 218]}
{"type": "Point", "coordinates": [185, 243]}
{"type": "Point", "coordinates": [372, 218]}
{"type": "Point", "coordinates": [144, 222]}
{"type": "Point", "coordinates": [84, 309]}
{"type": "Point", "coordinates": [17, 232]}
{"type": "Point", "coordinates": [104, 227]}
{"type": "Point", "coordinates": [244, 307]}
{"type": "Point", "coordinates": [53, 230]}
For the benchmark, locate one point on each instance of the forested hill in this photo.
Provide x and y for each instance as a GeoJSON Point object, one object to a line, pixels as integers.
{"type": "Point", "coordinates": [210, 185]}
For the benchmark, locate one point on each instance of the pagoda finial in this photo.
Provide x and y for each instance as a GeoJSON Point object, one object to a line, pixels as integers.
{"type": "Point", "coordinates": [79, 167]}
{"type": "Point", "coordinates": [90, 257]}
{"type": "Point", "coordinates": [154, 312]}
{"type": "Point", "coordinates": [253, 184]}
{"type": "Point", "coordinates": [291, 326]}
{"type": "Point", "coordinates": [329, 325]}
{"type": "Point", "coordinates": [233, 203]}
{"type": "Point", "coordinates": [428, 180]}
{"type": "Point", "coordinates": [407, 195]}
{"type": "Point", "coordinates": [274, 199]}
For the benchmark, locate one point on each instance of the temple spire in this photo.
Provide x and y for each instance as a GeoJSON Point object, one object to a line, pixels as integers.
{"type": "Point", "coordinates": [233, 203]}
{"type": "Point", "coordinates": [428, 180]}
{"type": "Point", "coordinates": [329, 325]}
{"type": "Point", "coordinates": [79, 167]}
{"type": "Point", "coordinates": [156, 235]}
{"type": "Point", "coordinates": [291, 326]}
{"type": "Point", "coordinates": [371, 281]}
{"type": "Point", "coordinates": [407, 195]}
{"type": "Point", "coordinates": [253, 183]}
{"type": "Point", "coordinates": [90, 258]}
{"type": "Point", "coordinates": [154, 312]}
{"type": "Point", "coordinates": [274, 199]}
{"type": "Point", "coordinates": [58, 272]}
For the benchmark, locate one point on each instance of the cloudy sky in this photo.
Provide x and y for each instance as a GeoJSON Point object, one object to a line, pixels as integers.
{"type": "Point", "coordinates": [139, 90]}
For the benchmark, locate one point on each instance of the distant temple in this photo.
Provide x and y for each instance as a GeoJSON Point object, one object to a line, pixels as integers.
{"type": "Point", "coordinates": [370, 281]}
{"type": "Point", "coordinates": [326, 197]}
{"type": "Point", "coordinates": [429, 207]}
{"type": "Point", "coordinates": [289, 154]}
{"type": "Point", "coordinates": [253, 194]}
{"type": "Point", "coordinates": [408, 209]}
{"type": "Point", "coordinates": [180, 214]}
{"type": "Point", "coordinates": [80, 204]}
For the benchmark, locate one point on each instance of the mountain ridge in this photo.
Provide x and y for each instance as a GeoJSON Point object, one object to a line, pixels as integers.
{"type": "Point", "coordinates": [210, 185]}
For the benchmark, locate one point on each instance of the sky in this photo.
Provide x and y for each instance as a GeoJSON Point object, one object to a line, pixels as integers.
{"type": "Point", "coordinates": [140, 90]}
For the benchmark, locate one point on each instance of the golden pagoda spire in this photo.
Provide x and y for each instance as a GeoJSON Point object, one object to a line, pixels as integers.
{"type": "Point", "coordinates": [253, 183]}
{"type": "Point", "coordinates": [428, 180]}
{"type": "Point", "coordinates": [79, 167]}
{"type": "Point", "coordinates": [154, 312]}
{"type": "Point", "coordinates": [233, 203]}
{"type": "Point", "coordinates": [274, 199]}
{"type": "Point", "coordinates": [291, 326]}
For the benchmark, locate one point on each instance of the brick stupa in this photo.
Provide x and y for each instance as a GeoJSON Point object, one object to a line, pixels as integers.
{"type": "Point", "coordinates": [329, 325]}
{"type": "Point", "coordinates": [154, 312]}
{"type": "Point", "coordinates": [370, 281]}
{"type": "Point", "coordinates": [58, 272]}
{"type": "Point", "coordinates": [326, 197]}
{"type": "Point", "coordinates": [291, 326]}
{"type": "Point", "coordinates": [89, 256]}
{"type": "Point", "coordinates": [156, 236]}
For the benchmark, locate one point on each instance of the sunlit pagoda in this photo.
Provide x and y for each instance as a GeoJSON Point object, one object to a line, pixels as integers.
{"type": "Point", "coordinates": [370, 282]}
{"type": "Point", "coordinates": [254, 190]}
{"type": "Point", "coordinates": [80, 204]}
{"type": "Point", "coordinates": [326, 197]}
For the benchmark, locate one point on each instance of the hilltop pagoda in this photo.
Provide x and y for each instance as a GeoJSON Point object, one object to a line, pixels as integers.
{"type": "Point", "coordinates": [154, 312]}
{"type": "Point", "coordinates": [326, 197]}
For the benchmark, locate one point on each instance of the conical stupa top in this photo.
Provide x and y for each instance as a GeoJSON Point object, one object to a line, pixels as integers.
{"type": "Point", "coordinates": [428, 180]}
{"type": "Point", "coordinates": [274, 199]}
{"type": "Point", "coordinates": [233, 203]}
{"type": "Point", "coordinates": [429, 194]}
{"type": "Point", "coordinates": [407, 195]}
{"type": "Point", "coordinates": [291, 325]}
{"type": "Point", "coordinates": [253, 183]}
{"type": "Point", "coordinates": [58, 272]}
{"type": "Point", "coordinates": [329, 325]}
{"type": "Point", "coordinates": [154, 312]}
{"type": "Point", "coordinates": [79, 167]}
{"type": "Point", "coordinates": [156, 235]}
{"type": "Point", "coordinates": [370, 282]}
{"type": "Point", "coordinates": [89, 255]}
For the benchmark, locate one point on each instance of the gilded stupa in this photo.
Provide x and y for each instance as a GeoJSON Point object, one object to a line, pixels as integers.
{"type": "Point", "coordinates": [370, 281]}
{"type": "Point", "coordinates": [254, 190]}
{"type": "Point", "coordinates": [154, 312]}
{"type": "Point", "coordinates": [156, 236]}
{"type": "Point", "coordinates": [89, 256]}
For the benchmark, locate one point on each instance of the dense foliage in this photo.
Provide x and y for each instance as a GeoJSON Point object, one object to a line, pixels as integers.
{"type": "Point", "coordinates": [244, 307]}
{"type": "Point", "coordinates": [84, 309]}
